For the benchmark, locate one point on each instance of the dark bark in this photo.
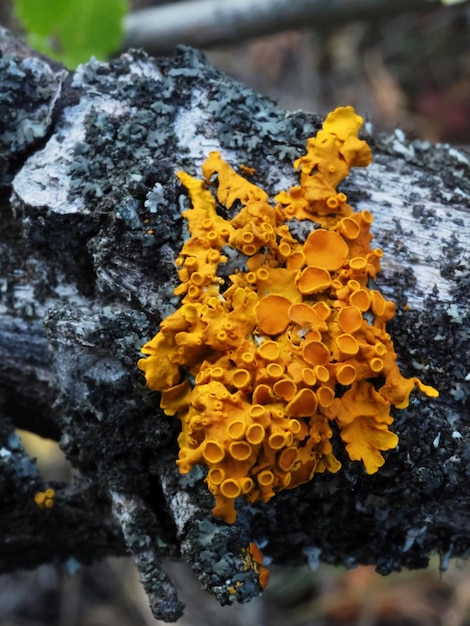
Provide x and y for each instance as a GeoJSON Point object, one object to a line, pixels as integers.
{"type": "Point", "coordinates": [91, 225]}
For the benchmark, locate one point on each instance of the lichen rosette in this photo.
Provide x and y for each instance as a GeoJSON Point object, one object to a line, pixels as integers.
{"type": "Point", "coordinates": [257, 365]}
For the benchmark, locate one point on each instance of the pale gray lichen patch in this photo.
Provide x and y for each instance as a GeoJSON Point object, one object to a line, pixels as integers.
{"type": "Point", "coordinates": [30, 89]}
{"type": "Point", "coordinates": [47, 178]}
{"type": "Point", "coordinates": [408, 227]}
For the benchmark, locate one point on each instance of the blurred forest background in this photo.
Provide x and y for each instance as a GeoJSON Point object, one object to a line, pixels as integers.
{"type": "Point", "coordinates": [409, 71]}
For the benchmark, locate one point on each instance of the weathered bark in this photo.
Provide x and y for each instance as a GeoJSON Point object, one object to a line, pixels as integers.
{"type": "Point", "coordinates": [91, 225]}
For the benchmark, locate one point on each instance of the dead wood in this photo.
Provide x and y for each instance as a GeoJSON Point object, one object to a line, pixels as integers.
{"type": "Point", "coordinates": [90, 228]}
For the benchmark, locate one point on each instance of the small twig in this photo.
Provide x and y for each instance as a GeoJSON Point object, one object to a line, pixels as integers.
{"type": "Point", "coordinates": [163, 599]}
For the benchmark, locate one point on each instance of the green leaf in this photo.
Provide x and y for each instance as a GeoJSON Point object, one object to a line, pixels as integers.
{"type": "Point", "coordinates": [40, 16]}
{"type": "Point", "coordinates": [72, 31]}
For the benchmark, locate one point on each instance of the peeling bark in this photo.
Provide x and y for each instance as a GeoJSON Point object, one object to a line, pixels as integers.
{"type": "Point", "coordinates": [91, 225]}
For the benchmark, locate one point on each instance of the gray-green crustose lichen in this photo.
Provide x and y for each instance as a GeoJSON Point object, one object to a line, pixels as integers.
{"type": "Point", "coordinates": [119, 163]}
{"type": "Point", "coordinates": [30, 89]}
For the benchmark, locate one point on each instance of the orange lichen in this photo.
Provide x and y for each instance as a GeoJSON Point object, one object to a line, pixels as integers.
{"type": "Point", "coordinates": [45, 499]}
{"type": "Point", "coordinates": [253, 560]}
{"type": "Point", "coordinates": [257, 366]}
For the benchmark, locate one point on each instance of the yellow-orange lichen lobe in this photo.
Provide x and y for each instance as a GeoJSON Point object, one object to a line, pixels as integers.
{"type": "Point", "coordinates": [231, 186]}
{"type": "Point", "coordinates": [258, 364]}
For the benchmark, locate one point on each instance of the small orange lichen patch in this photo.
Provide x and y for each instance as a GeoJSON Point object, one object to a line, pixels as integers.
{"type": "Point", "coordinates": [45, 499]}
{"type": "Point", "coordinates": [253, 560]}
{"type": "Point", "coordinates": [257, 365]}
{"type": "Point", "coordinates": [246, 169]}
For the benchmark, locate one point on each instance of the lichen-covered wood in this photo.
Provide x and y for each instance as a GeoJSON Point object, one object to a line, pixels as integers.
{"type": "Point", "coordinates": [90, 228]}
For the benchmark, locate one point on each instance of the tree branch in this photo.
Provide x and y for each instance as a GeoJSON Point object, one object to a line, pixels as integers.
{"type": "Point", "coordinates": [205, 23]}
{"type": "Point", "coordinates": [91, 226]}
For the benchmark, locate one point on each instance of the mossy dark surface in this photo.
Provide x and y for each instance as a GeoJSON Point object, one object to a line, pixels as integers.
{"type": "Point", "coordinates": [90, 274]}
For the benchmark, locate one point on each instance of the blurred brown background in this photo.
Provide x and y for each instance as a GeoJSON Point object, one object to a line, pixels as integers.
{"type": "Point", "coordinates": [409, 71]}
